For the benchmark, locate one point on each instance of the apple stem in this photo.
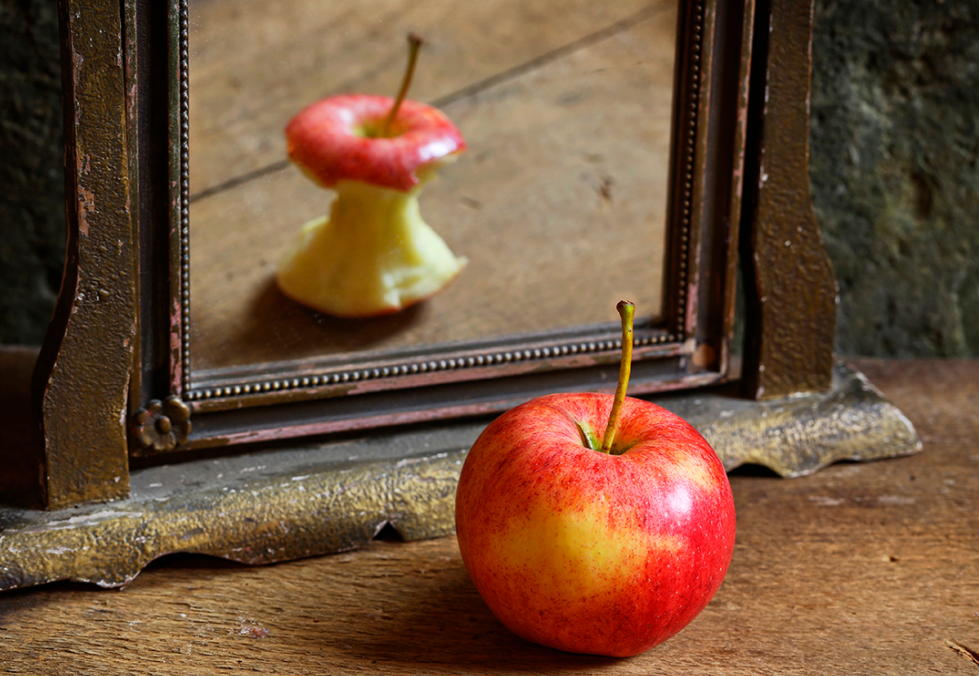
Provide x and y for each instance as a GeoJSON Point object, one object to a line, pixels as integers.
{"type": "Point", "coordinates": [414, 44]}
{"type": "Point", "coordinates": [626, 310]}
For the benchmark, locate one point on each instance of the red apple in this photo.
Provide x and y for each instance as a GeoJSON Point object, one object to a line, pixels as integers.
{"type": "Point", "coordinates": [373, 254]}
{"type": "Point", "coordinates": [340, 138]}
{"type": "Point", "coordinates": [590, 551]}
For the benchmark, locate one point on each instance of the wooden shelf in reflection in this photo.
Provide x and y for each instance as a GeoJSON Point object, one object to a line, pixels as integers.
{"type": "Point", "coordinates": [559, 204]}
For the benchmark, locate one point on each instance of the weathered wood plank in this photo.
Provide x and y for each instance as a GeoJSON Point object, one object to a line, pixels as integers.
{"type": "Point", "coordinates": [254, 64]}
{"type": "Point", "coordinates": [858, 569]}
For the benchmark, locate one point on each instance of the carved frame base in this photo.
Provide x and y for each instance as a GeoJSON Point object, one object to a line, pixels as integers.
{"type": "Point", "coordinates": [318, 499]}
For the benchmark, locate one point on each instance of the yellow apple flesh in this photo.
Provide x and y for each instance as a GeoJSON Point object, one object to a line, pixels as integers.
{"type": "Point", "coordinates": [373, 255]}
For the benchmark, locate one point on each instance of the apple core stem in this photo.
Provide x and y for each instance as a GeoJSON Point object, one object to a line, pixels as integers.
{"type": "Point", "coordinates": [626, 310]}
{"type": "Point", "coordinates": [414, 44]}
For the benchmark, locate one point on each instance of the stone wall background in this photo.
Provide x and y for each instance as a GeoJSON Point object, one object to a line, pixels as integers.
{"type": "Point", "coordinates": [894, 175]}
{"type": "Point", "coordinates": [32, 212]}
{"type": "Point", "coordinates": [895, 181]}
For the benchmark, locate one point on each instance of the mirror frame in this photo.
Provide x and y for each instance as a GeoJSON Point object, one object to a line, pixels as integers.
{"type": "Point", "coordinates": [689, 348]}
{"type": "Point", "coordinates": [120, 336]}
{"type": "Point", "coordinates": [115, 338]}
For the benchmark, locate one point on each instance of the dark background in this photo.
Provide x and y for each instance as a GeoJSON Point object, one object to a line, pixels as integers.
{"type": "Point", "coordinates": [895, 147]}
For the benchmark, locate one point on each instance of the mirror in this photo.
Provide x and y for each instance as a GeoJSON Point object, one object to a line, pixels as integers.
{"type": "Point", "coordinates": [559, 204]}
{"type": "Point", "coordinates": [191, 349]}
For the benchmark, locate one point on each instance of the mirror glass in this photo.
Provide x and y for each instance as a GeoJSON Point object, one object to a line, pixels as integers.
{"type": "Point", "coordinates": [558, 204]}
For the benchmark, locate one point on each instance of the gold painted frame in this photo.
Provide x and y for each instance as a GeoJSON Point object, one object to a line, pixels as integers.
{"type": "Point", "coordinates": [140, 199]}
{"type": "Point", "coordinates": [144, 458]}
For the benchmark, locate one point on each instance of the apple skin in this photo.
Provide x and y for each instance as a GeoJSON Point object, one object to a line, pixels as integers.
{"type": "Point", "coordinates": [337, 138]}
{"type": "Point", "coordinates": [590, 552]}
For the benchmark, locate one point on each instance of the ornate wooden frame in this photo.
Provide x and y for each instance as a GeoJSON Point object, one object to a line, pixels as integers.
{"type": "Point", "coordinates": [256, 466]}
{"type": "Point", "coordinates": [126, 297]}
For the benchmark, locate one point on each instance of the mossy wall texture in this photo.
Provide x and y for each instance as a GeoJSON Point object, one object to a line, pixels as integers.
{"type": "Point", "coordinates": [895, 171]}
{"type": "Point", "coordinates": [32, 212]}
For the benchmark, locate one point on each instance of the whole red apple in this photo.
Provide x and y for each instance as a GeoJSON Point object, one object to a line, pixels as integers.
{"type": "Point", "coordinates": [605, 553]}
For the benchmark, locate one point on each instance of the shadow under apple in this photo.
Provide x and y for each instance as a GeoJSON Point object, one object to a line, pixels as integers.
{"type": "Point", "coordinates": [277, 328]}
{"type": "Point", "coordinates": [441, 620]}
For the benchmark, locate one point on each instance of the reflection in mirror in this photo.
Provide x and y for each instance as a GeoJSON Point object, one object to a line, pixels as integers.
{"type": "Point", "coordinates": [558, 204]}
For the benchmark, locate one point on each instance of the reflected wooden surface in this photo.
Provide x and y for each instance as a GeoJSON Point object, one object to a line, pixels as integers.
{"type": "Point", "coordinates": [559, 203]}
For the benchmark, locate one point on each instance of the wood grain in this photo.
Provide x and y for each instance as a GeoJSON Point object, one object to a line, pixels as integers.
{"type": "Point", "coordinates": [858, 569]}
{"type": "Point", "coordinates": [254, 65]}
{"type": "Point", "coordinates": [559, 204]}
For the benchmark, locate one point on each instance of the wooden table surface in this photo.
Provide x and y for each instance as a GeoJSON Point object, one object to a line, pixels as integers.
{"type": "Point", "coordinates": [566, 109]}
{"type": "Point", "coordinates": [858, 569]}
